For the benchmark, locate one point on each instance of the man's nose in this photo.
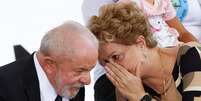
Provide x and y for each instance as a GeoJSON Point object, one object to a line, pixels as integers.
{"type": "Point", "coordinates": [86, 79]}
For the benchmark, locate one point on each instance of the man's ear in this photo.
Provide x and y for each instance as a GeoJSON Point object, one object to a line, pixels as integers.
{"type": "Point", "coordinates": [141, 41]}
{"type": "Point", "coordinates": [49, 64]}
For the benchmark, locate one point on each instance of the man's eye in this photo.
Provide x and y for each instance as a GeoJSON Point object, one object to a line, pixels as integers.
{"type": "Point", "coordinates": [79, 71]}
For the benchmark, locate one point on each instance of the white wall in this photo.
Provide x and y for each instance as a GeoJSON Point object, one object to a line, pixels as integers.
{"type": "Point", "coordinates": [25, 22]}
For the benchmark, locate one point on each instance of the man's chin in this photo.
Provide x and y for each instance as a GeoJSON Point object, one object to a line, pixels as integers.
{"type": "Point", "coordinates": [72, 92]}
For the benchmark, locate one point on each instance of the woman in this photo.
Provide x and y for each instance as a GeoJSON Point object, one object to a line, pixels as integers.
{"type": "Point", "coordinates": [90, 7]}
{"type": "Point", "coordinates": [132, 59]}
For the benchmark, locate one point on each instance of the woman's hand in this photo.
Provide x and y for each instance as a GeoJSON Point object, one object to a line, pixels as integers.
{"type": "Point", "coordinates": [128, 84]}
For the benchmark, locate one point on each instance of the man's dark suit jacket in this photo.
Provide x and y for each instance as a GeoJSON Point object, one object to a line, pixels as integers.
{"type": "Point", "coordinates": [19, 82]}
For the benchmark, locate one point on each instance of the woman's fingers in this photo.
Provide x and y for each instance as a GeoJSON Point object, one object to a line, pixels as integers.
{"type": "Point", "coordinates": [113, 77]}
{"type": "Point", "coordinates": [114, 71]}
{"type": "Point", "coordinates": [120, 68]}
{"type": "Point", "coordinates": [119, 74]}
{"type": "Point", "coordinates": [127, 83]}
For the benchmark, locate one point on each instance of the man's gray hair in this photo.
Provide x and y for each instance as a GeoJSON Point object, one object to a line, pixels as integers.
{"type": "Point", "coordinates": [59, 41]}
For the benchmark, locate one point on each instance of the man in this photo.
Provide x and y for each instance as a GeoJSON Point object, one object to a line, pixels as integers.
{"type": "Point", "coordinates": [56, 71]}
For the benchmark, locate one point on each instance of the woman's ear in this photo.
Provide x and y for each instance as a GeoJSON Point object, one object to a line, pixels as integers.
{"type": "Point", "coordinates": [141, 41]}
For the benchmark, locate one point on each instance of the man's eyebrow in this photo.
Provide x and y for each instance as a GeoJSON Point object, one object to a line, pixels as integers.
{"type": "Point", "coordinates": [84, 69]}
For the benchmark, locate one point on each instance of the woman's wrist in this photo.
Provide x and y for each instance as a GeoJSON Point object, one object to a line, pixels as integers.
{"type": "Point", "coordinates": [146, 97]}
{"type": "Point", "coordinates": [138, 97]}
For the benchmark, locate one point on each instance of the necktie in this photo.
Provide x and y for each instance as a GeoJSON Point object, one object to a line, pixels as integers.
{"type": "Point", "coordinates": [58, 98]}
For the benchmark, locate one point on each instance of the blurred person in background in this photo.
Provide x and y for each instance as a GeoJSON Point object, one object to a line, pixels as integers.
{"type": "Point", "coordinates": [188, 13]}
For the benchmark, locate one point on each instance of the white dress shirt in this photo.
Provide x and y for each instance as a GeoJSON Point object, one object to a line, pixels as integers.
{"type": "Point", "coordinates": [47, 92]}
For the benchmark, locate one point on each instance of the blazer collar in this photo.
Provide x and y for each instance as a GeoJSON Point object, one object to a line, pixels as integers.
{"type": "Point", "coordinates": [30, 80]}
{"type": "Point", "coordinates": [31, 83]}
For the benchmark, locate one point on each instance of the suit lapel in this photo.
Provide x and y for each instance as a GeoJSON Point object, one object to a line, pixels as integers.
{"type": "Point", "coordinates": [30, 80]}
{"type": "Point", "coordinates": [32, 93]}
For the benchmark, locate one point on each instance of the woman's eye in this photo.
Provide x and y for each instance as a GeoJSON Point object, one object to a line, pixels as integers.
{"type": "Point", "coordinates": [116, 57]}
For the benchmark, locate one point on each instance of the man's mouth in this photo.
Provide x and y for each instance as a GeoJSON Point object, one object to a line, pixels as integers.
{"type": "Point", "coordinates": [75, 88]}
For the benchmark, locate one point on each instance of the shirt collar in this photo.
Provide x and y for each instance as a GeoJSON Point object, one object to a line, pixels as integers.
{"type": "Point", "coordinates": [47, 91]}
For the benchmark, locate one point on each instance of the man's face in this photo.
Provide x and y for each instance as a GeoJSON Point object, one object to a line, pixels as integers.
{"type": "Point", "coordinates": [64, 88]}
{"type": "Point", "coordinates": [72, 74]}
{"type": "Point", "coordinates": [68, 91]}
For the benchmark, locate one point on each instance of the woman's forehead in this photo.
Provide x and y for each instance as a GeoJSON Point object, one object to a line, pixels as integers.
{"type": "Point", "coordinates": [107, 49]}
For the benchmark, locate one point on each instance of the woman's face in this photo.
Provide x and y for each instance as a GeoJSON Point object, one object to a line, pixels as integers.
{"type": "Point", "coordinates": [126, 56]}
